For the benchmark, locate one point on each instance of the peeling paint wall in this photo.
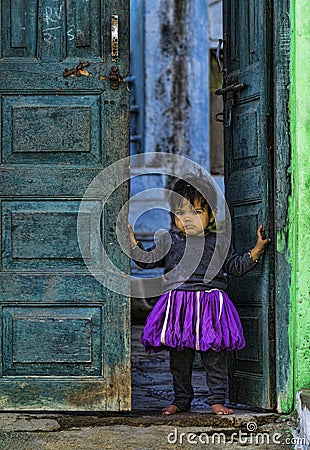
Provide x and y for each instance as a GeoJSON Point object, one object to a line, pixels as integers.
{"type": "Point", "coordinates": [170, 58]}
{"type": "Point", "coordinates": [176, 80]}
{"type": "Point", "coordinates": [299, 213]}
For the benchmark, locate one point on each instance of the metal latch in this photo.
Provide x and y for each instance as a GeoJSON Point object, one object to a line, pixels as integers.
{"type": "Point", "coordinates": [78, 70]}
{"type": "Point", "coordinates": [230, 88]}
{"type": "Point", "coordinates": [229, 93]}
{"type": "Point", "coordinates": [114, 78]}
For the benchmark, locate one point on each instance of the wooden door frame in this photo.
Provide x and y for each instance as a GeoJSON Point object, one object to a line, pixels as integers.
{"type": "Point", "coordinates": [282, 193]}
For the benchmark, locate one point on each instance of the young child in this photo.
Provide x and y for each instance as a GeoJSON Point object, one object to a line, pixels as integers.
{"type": "Point", "coordinates": [195, 312]}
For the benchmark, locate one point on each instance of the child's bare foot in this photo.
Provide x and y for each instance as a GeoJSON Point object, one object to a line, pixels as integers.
{"type": "Point", "coordinates": [172, 409]}
{"type": "Point", "coordinates": [219, 409]}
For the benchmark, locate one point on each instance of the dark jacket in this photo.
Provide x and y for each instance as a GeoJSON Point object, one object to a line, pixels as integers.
{"type": "Point", "coordinates": [193, 262]}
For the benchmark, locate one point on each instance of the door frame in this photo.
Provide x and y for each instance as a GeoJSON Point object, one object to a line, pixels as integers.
{"type": "Point", "coordinates": [282, 192]}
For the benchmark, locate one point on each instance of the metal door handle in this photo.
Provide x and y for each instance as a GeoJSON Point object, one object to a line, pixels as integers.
{"type": "Point", "coordinates": [114, 38]}
{"type": "Point", "coordinates": [218, 59]}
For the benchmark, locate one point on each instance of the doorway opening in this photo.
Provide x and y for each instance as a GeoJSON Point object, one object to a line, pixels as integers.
{"type": "Point", "coordinates": [173, 69]}
{"type": "Point", "coordinates": [167, 40]}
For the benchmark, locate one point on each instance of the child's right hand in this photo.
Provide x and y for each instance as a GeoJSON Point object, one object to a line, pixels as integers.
{"type": "Point", "coordinates": [133, 240]}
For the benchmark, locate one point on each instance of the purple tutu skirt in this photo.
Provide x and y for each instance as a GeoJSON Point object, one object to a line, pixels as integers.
{"type": "Point", "coordinates": [195, 319]}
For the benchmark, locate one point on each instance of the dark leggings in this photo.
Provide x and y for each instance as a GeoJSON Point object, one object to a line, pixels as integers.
{"type": "Point", "coordinates": [181, 367]}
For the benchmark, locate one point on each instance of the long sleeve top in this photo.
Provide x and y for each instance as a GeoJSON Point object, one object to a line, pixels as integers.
{"type": "Point", "coordinates": [193, 262]}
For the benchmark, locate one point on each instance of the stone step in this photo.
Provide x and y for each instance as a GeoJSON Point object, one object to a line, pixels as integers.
{"type": "Point", "coordinates": [303, 411]}
{"type": "Point", "coordinates": [139, 430]}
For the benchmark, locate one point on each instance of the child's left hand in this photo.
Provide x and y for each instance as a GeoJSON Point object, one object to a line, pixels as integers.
{"type": "Point", "coordinates": [262, 241]}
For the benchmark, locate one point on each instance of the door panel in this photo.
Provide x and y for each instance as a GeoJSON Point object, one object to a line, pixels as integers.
{"type": "Point", "coordinates": [65, 337]}
{"type": "Point", "coordinates": [69, 123]}
{"type": "Point", "coordinates": [77, 332]}
{"type": "Point", "coordinates": [249, 191]}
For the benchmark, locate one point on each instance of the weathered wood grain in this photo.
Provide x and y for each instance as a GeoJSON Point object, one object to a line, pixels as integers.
{"type": "Point", "coordinates": [65, 338]}
{"type": "Point", "coordinates": [249, 190]}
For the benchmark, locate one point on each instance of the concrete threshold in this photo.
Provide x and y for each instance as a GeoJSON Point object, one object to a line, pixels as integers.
{"type": "Point", "coordinates": [141, 430]}
{"type": "Point", "coordinates": [30, 421]}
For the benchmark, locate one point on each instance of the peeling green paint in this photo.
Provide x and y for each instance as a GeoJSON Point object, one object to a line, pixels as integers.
{"type": "Point", "coordinates": [281, 237]}
{"type": "Point", "coordinates": [299, 223]}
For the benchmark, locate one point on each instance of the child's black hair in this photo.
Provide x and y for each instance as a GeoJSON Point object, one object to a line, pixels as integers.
{"type": "Point", "coordinates": [204, 193]}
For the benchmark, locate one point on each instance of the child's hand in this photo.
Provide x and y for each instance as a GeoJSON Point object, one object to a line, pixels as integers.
{"type": "Point", "coordinates": [262, 241]}
{"type": "Point", "coordinates": [133, 240]}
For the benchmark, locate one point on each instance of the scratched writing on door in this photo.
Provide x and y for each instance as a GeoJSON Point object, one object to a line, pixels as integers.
{"type": "Point", "coordinates": [53, 23]}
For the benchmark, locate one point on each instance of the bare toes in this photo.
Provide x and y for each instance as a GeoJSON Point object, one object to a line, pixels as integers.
{"type": "Point", "coordinates": [220, 409]}
{"type": "Point", "coordinates": [172, 409]}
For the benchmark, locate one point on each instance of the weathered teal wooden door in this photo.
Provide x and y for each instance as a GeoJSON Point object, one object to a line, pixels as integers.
{"type": "Point", "coordinates": [64, 336]}
{"type": "Point", "coordinates": [248, 135]}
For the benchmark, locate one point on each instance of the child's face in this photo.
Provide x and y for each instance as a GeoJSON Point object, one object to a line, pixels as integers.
{"type": "Point", "coordinates": [192, 220]}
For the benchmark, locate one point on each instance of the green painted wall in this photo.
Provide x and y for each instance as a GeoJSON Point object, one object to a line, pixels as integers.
{"type": "Point", "coordinates": [299, 214]}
